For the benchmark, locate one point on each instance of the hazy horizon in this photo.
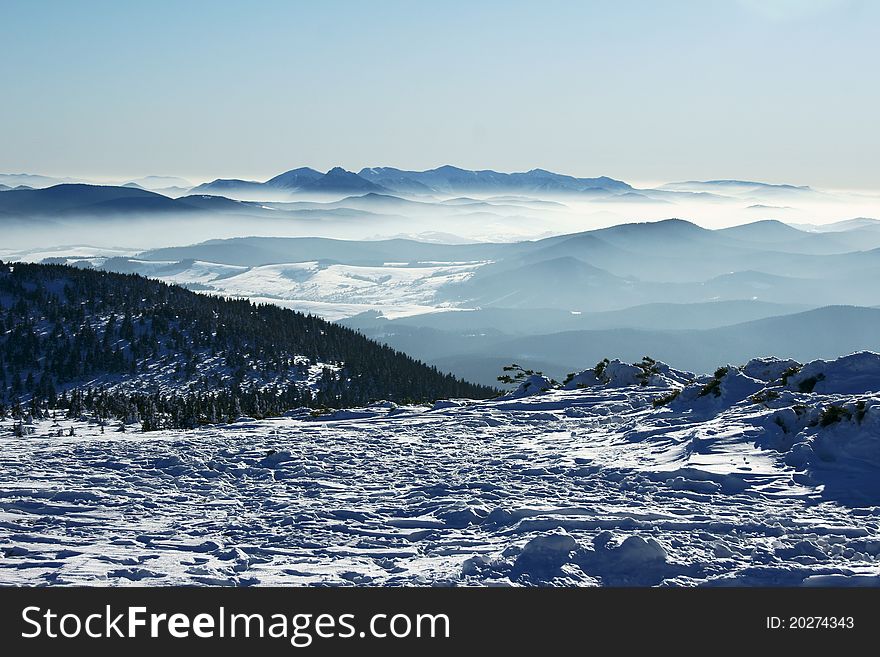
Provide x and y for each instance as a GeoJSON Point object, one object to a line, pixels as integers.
{"type": "Point", "coordinates": [119, 178]}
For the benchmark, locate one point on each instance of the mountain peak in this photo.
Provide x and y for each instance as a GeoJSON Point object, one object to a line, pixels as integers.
{"type": "Point", "coordinates": [337, 180]}
{"type": "Point", "coordinates": [448, 168]}
{"type": "Point", "coordinates": [675, 222]}
{"type": "Point", "coordinates": [294, 178]}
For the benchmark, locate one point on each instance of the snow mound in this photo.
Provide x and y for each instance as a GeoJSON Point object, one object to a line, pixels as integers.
{"type": "Point", "coordinates": [799, 549]}
{"type": "Point", "coordinates": [448, 403]}
{"type": "Point", "coordinates": [669, 376]}
{"type": "Point", "coordinates": [853, 374]}
{"type": "Point", "coordinates": [532, 385]}
{"type": "Point", "coordinates": [636, 552]}
{"type": "Point", "coordinates": [727, 387]}
{"type": "Point", "coordinates": [546, 552]}
{"type": "Point", "coordinates": [769, 369]}
{"type": "Point", "coordinates": [849, 432]}
{"type": "Point", "coordinates": [585, 379]}
{"type": "Point", "coordinates": [618, 374]}
{"type": "Point", "coordinates": [834, 442]}
{"type": "Point", "coordinates": [635, 561]}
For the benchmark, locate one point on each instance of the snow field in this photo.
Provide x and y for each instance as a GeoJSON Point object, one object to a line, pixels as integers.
{"type": "Point", "coordinates": [591, 486]}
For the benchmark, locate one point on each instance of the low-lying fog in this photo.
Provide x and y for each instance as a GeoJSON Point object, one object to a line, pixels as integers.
{"type": "Point", "coordinates": [448, 218]}
{"type": "Point", "coordinates": [556, 280]}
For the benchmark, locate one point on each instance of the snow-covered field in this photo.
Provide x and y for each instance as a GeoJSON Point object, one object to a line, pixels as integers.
{"type": "Point", "coordinates": [336, 291]}
{"type": "Point", "coordinates": [764, 483]}
{"type": "Point", "coordinates": [331, 291]}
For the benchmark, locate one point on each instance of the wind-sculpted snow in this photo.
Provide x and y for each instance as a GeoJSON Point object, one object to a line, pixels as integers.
{"type": "Point", "coordinates": [534, 384]}
{"type": "Point", "coordinates": [591, 486]}
{"type": "Point", "coordinates": [617, 374]}
{"type": "Point", "coordinates": [854, 373]}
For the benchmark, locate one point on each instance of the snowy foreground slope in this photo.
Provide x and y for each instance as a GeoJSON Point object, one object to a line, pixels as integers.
{"type": "Point", "coordinates": [763, 475]}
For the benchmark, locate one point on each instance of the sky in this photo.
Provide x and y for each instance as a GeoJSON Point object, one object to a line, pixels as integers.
{"type": "Point", "coordinates": [644, 91]}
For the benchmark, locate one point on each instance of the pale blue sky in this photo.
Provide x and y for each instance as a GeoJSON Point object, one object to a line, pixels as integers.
{"type": "Point", "coordinates": [778, 90]}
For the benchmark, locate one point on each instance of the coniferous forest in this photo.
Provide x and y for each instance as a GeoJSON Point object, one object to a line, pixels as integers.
{"type": "Point", "coordinates": [127, 348]}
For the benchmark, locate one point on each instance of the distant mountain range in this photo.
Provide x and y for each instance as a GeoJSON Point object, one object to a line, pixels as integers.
{"type": "Point", "coordinates": [669, 261]}
{"type": "Point", "coordinates": [34, 181]}
{"type": "Point", "coordinates": [301, 181]}
{"type": "Point", "coordinates": [442, 180]}
{"type": "Point", "coordinates": [671, 289]}
{"type": "Point", "coordinates": [158, 183]}
{"type": "Point", "coordinates": [257, 251]}
{"type": "Point", "coordinates": [452, 180]}
{"type": "Point", "coordinates": [668, 288]}
{"type": "Point", "coordinates": [12, 180]}
{"type": "Point", "coordinates": [738, 188]}
{"type": "Point", "coordinates": [69, 203]}
{"type": "Point", "coordinates": [77, 200]}
{"type": "Point", "coordinates": [88, 200]}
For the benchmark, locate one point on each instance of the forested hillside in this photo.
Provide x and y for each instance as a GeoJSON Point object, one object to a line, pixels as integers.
{"type": "Point", "coordinates": [126, 347]}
